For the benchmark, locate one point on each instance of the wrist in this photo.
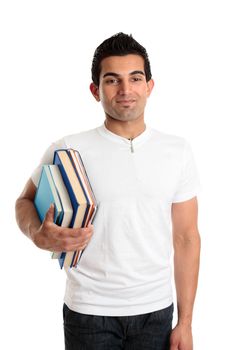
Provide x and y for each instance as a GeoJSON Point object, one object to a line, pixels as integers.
{"type": "Point", "coordinates": [185, 315]}
{"type": "Point", "coordinates": [185, 322]}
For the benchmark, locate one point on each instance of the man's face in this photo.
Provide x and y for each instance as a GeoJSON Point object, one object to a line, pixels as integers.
{"type": "Point", "coordinates": [123, 90]}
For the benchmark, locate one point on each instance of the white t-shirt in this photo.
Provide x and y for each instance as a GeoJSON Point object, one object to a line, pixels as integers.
{"type": "Point", "coordinates": [126, 267]}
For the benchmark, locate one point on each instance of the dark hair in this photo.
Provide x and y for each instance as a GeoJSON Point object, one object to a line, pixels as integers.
{"type": "Point", "coordinates": [119, 44]}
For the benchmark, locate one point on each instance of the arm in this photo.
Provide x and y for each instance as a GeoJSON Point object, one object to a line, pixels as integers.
{"type": "Point", "coordinates": [47, 235]}
{"type": "Point", "coordinates": [186, 242]}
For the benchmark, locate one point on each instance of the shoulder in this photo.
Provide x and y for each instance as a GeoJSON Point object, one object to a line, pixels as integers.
{"type": "Point", "coordinates": [81, 139]}
{"type": "Point", "coordinates": [76, 140]}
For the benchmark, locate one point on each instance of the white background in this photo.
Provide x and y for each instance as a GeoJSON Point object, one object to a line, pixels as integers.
{"type": "Point", "coordinates": [46, 52]}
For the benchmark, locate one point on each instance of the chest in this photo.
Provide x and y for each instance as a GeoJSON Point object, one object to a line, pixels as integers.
{"type": "Point", "coordinates": [116, 174]}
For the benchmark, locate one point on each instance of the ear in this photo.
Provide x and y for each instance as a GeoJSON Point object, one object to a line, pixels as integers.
{"type": "Point", "coordinates": [150, 85]}
{"type": "Point", "coordinates": [95, 91]}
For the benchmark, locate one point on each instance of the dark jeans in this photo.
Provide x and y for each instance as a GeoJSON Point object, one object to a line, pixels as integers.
{"type": "Point", "coordinates": [141, 332]}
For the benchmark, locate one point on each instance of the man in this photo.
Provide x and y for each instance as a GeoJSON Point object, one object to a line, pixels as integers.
{"type": "Point", "coordinates": [145, 183]}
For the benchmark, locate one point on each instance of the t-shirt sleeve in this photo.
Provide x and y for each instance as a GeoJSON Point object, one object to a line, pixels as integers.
{"type": "Point", "coordinates": [47, 158]}
{"type": "Point", "coordinates": [189, 184]}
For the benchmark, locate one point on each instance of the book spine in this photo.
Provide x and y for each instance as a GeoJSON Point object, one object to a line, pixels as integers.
{"type": "Point", "coordinates": [67, 259]}
{"type": "Point", "coordinates": [57, 161]}
{"type": "Point", "coordinates": [65, 178]}
{"type": "Point", "coordinates": [82, 186]}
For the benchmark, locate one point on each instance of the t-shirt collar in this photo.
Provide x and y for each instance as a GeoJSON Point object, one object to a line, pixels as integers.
{"type": "Point", "coordinates": [120, 139]}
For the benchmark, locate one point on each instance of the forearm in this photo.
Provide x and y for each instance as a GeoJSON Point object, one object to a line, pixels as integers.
{"type": "Point", "coordinates": [186, 268]}
{"type": "Point", "coordinates": [26, 217]}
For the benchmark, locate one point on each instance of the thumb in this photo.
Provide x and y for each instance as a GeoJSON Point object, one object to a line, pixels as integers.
{"type": "Point", "coordinates": [49, 217]}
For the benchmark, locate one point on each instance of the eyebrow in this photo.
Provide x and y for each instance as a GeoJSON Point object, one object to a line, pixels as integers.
{"type": "Point", "coordinates": [118, 75]}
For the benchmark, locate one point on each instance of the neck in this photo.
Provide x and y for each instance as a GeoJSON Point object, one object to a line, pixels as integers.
{"type": "Point", "coordinates": [127, 129]}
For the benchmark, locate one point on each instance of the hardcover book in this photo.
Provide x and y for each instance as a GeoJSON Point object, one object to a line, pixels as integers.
{"type": "Point", "coordinates": [81, 196]}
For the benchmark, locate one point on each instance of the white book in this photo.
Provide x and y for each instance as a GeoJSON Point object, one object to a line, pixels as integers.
{"type": "Point", "coordinates": [65, 201]}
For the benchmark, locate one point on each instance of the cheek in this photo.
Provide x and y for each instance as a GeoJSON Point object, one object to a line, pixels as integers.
{"type": "Point", "coordinates": [106, 97]}
{"type": "Point", "coordinates": [104, 94]}
{"type": "Point", "coordinates": [143, 96]}
{"type": "Point", "coordinates": [106, 102]}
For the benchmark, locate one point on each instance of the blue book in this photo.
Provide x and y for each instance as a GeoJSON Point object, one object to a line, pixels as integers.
{"type": "Point", "coordinates": [47, 194]}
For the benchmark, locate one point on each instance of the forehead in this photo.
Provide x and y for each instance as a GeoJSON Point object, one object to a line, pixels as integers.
{"type": "Point", "coordinates": [122, 65]}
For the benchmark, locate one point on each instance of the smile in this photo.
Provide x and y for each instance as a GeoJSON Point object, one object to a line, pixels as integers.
{"type": "Point", "coordinates": [125, 101]}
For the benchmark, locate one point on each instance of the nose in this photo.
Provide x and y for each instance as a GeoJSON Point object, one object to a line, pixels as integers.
{"type": "Point", "coordinates": [124, 87]}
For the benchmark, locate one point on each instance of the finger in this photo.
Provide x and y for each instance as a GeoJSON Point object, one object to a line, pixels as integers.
{"type": "Point", "coordinates": [76, 242]}
{"type": "Point", "coordinates": [71, 247]}
{"type": "Point", "coordinates": [77, 232]}
{"type": "Point", "coordinates": [49, 217]}
{"type": "Point", "coordinates": [90, 224]}
{"type": "Point", "coordinates": [72, 239]}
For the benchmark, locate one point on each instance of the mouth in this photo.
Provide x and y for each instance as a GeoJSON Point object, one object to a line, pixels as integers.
{"type": "Point", "coordinates": [125, 102]}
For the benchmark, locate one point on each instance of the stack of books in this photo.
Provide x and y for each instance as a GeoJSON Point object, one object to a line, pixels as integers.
{"type": "Point", "coordinates": [65, 184]}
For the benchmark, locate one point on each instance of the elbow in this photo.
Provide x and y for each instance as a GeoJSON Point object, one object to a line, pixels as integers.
{"type": "Point", "coordinates": [17, 211]}
{"type": "Point", "coordinates": [190, 238]}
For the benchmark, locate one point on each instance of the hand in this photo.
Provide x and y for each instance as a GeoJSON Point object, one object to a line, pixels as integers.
{"type": "Point", "coordinates": [181, 338]}
{"type": "Point", "coordinates": [55, 238]}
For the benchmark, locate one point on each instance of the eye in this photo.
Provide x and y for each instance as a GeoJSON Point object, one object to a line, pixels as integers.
{"type": "Point", "coordinates": [136, 79]}
{"type": "Point", "coordinates": [112, 81]}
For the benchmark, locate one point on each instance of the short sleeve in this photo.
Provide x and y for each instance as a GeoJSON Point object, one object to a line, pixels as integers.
{"type": "Point", "coordinates": [47, 158]}
{"type": "Point", "coordinates": [189, 184]}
